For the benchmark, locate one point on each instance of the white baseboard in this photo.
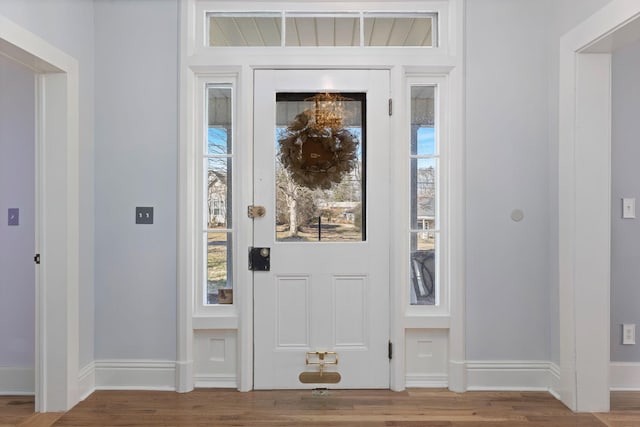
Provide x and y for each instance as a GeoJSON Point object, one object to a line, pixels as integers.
{"type": "Point", "coordinates": [17, 381]}
{"type": "Point", "coordinates": [184, 376]}
{"type": "Point", "coordinates": [143, 375]}
{"type": "Point", "coordinates": [479, 375]}
{"type": "Point", "coordinates": [555, 385]}
{"type": "Point", "coordinates": [624, 376]}
{"type": "Point", "coordinates": [510, 375]}
{"type": "Point", "coordinates": [427, 381]}
{"type": "Point", "coordinates": [216, 381]}
{"type": "Point", "coordinates": [87, 380]}
{"type": "Point", "coordinates": [457, 376]}
{"type": "Point", "coordinates": [135, 375]}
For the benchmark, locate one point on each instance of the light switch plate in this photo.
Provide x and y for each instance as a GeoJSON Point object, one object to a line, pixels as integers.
{"type": "Point", "coordinates": [629, 207]}
{"type": "Point", "coordinates": [14, 216]}
{"type": "Point", "coordinates": [628, 333]}
{"type": "Point", "coordinates": [144, 215]}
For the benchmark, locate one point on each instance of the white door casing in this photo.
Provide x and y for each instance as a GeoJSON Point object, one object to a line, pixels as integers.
{"type": "Point", "coordinates": [57, 201]}
{"type": "Point", "coordinates": [200, 60]}
{"type": "Point", "coordinates": [325, 296]}
{"type": "Point", "coordinates": [585, 201]}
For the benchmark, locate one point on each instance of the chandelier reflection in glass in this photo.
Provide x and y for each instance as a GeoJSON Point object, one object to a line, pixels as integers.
{"type": "Point", "coordinates": [316, 149]}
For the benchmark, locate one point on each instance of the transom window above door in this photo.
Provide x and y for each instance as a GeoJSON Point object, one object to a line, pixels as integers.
{"type": "Point", "coordinates": [318, 29]}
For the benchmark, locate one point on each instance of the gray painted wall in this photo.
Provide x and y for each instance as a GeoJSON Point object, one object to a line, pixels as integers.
{"type": "Point", "coordinates": [512, 162]}
{"type": "Point", "coordinates": [136, 165]}
{"type": "Point", "coordinates": [17, 190]}
{"type": "Point", "coordinates": [512, 93]}
{"type": "Point", "coordinates": [68, 25]}
{"type": "Point", "coordinates": [508, 276]}
{"type": "Point", "coordinates": [625, 182]}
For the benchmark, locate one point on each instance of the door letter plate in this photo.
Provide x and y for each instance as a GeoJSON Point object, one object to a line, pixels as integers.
{"type": "Point", "coordinates": [321, 359]}
{"type": "Point", "coordinates": [259, 259]}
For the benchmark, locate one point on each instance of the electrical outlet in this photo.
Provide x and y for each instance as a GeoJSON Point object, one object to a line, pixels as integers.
{"type": "Point", "coordinates": [144, 215]}
{"type": "Point", "coordinates": [628, 333]}
{"type": "Point", "coordinates": [14, 216]}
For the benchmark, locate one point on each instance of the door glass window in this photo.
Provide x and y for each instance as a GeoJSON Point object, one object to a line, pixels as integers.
{"type": "Point", "coordinates": [320, 167]}
{"type": "Point", "coordinates": [424, 219]}
{"type": "Point", "coordinates": [218, 160]}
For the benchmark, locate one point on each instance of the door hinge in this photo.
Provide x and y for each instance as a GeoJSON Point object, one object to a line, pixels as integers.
{"type": "Point", "coordinates": [390, 106]}
{"type": "Point", "coordinates": [36, 259]}
{"type": "Point", "coordinates": [390, 350]}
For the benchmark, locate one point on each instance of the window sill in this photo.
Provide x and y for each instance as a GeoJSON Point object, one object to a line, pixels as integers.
{"type": "Point", "coordinates": [215, 321]}
{"type": "Point", "coordinates": [426, 321]}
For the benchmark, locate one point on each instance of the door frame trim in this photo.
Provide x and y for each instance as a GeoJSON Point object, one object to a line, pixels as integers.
{"type": "Point", "coordinates": [196, 61]}
{"type": "Point", "coordinates": [242, 317]}
{"type": "Point", "coordinates": [57, 214]}
{"type": "Point", "coordinates": [584, 232]}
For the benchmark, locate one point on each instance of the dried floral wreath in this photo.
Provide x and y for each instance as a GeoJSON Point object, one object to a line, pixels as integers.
{"type": "Point", "coordinates": [317, 155]}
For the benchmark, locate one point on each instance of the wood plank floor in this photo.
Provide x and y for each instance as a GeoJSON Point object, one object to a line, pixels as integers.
{"type": "Point", "coordinates": [412, 408]}
{"type": "Point", "coordinates": [625, 410]}
{"type": "Point", "coordinates": [15, 409]}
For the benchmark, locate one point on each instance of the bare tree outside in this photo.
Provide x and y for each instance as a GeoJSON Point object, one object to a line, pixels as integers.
{"type": "Point", "coordinates": [295, 205]}
{"type": "Point", "coordinates": [299, 211]}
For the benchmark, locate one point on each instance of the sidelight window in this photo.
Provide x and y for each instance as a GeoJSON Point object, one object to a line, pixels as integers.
{"type": "Point", "coordinates": [425, 185]}
{"type": "Point", "coordinates": [217, 236]}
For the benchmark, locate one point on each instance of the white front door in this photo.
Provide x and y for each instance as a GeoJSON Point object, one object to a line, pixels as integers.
{"type": "Point", "coordinates": [328, 284]}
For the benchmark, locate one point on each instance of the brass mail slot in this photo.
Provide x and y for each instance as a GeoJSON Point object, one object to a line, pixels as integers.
{"type": "Point", "coordinates": [320, 359]}
{"type": "Point", "coordinates": [320, 377]}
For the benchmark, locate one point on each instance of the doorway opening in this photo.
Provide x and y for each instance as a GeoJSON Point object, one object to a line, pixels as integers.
{"type": "Point", "coordinates": [585, 203]}
{"type": "Point", "coordinates": [56, 214]}
{"type": "Point", "coordinates": [17, 229]}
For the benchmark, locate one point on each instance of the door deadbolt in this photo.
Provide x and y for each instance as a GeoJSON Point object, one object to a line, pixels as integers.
{"type": "Point", "coordinates": [259, 259]}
